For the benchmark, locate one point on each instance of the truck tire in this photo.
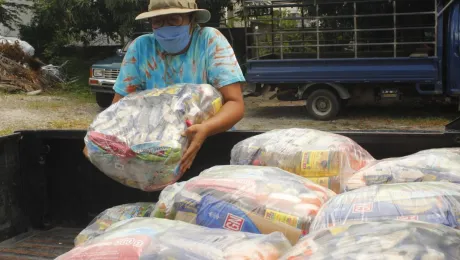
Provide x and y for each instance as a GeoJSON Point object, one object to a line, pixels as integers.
{"type": "Point", "coordinates": [323, 104]}
{"type": "Point", "coordinates": [104, 100]}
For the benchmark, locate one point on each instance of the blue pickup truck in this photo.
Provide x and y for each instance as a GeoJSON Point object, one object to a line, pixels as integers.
{"type": "Point", "coordinates": [328, 52]}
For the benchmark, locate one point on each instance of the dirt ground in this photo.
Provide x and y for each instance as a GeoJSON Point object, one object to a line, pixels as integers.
{"type": "Point", "coordinates": [19, 112]}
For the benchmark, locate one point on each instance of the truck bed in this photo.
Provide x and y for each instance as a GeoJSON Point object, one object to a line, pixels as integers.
{"type": "Point", "coordinates": [39, 245]}
{"type": "Point", "coordinates": [373, 70]}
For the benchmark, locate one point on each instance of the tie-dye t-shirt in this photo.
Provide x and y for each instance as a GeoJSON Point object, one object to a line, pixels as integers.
{"type": "Point", "coordinates": [209, 60]}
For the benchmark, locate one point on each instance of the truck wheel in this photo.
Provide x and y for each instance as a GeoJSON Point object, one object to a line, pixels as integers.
{"type": "Point", "coordinates": [104, 100]}
{"type": "Point", "coordinates": [323, 104]}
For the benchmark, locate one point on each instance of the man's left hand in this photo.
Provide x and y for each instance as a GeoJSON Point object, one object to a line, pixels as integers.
{"type": "Point", "coordinates": [196, 135]}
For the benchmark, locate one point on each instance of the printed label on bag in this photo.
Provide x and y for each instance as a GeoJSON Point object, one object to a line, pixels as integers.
{"type": "Point", "coordinates": [362, 208]}
{"type": "Point", "coordinates": [415, 217]}
{"type": "Point", "coordinates": [318, 164]}
{"type": "Point", "coordinates": [119, 166]}
{"type": "Point", "coordinates": [281, 217]}
{"type": "Point", "coordinates": [217, 105]}
{"type": "Point", "coordinates": [233, 222]}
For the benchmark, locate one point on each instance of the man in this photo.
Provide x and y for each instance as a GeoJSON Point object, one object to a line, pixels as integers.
{"type": "Point", "coordinates": [180, 51]}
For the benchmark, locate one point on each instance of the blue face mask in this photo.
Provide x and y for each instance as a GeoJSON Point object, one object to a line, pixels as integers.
{"type": "Point", "coordinates": [173, 39]}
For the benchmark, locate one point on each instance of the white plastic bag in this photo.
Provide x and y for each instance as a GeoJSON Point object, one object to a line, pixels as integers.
{"type": "Point", "coordinates": [138, 140]}
{"type": "Point", "coordinates": [434, 202]}
{"type": "Point", "coordinates": [326, 158]}
{"type": "Point", "coordinates": [392, 239]}
{"type": "Point", "coordinates": [251, 199]}
{"type": "Point", "coordinates": [152, 238]}
{"type": "Point", "coordinates": [428, 165]}
{"type": "Point", "coordinates": [25, 46]}
{"type": "Point", "coordinates": [114, 215]}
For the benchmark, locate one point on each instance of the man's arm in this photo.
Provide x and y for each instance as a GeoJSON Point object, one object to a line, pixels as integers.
{"type": "Point", "coordinates": [231, 112]}
{"type": "Point", "coordinates": [116, 98]}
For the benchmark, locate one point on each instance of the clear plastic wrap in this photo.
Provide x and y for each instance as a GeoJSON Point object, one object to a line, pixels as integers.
{"type": "Point", "coordinates": [111, 216]}
{"type": "Point", "coordinates": [429, 165]}
{"type": "Point", "coordinates": [138, 140]}
{"type": "Point", "coordinates": [434, 202]}
{"type": "Point", "coordinates": [251, 199]}
{"type": "Point", "coordinates": [326, 158]}
{"type": "Point", "coordinates": [153, 238]}
{"type": "Point", "coordinates": [392, 239]}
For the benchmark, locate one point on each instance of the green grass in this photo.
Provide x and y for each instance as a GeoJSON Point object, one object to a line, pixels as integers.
{"type": "Point", "coordinates": [6, 131]}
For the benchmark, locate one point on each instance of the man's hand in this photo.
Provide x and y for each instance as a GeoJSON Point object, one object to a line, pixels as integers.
{"type": "Point", "coordinates": [196, 135]}
{"type": "Point", "coordinates": [85, 152]}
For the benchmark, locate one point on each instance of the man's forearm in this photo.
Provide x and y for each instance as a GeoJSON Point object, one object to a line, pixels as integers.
{"type": "Point", "coordinates": [229, 115]}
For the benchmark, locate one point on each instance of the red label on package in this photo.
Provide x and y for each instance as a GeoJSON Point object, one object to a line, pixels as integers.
{"type": "Point", "coordinates": [129, 247]}
{"type": "Point", "coordinates": [407, 218]}
{"type": "Point", "coordinates": [362, 208]}
{"type": "Point", "coordinates": [233, 222]}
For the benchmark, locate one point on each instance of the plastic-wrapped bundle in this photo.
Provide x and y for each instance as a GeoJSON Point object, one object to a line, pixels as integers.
{"type": "Point", "coordinates": [138, 140]}
{"type": "Point", "coordinates": [434, 202]}
{"type": "Point", "coordinates": [392, 239]}
{"type": "Point", "coordinates": [428, 165]}
{"type": "Point", "coordinates": [326, 158]}
{"type": "Point", "coordinates": [113, 215]}
{"type": "Point", "coordinates": [153, 238]}
{"type": "Point", "coordinates": [251, 199]}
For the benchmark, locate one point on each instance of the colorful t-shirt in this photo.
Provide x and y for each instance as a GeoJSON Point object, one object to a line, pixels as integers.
{"type": "Point", "coordinates": [209, 60]}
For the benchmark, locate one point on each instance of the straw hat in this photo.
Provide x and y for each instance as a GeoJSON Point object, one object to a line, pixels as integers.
{"type": "Point", "coordinates": [163, 7]}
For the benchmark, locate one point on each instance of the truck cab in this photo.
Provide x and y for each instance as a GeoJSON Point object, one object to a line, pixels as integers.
{"type": "Point", "coordinates": [104, 73]}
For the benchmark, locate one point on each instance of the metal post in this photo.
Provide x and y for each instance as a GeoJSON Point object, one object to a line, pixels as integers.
{"type": "Point", "coordinates": [395, 48]}
{"type": "Point", "coordinates": [282, 45]}
{"type": "Point", "coordinates": [355, 30]}
{"type": "Point", "coordinates": [436, 18]}
{"type": "Point", "coordinates": [317, 31]}
{"type": "Point", "coordinates": [273, 32]}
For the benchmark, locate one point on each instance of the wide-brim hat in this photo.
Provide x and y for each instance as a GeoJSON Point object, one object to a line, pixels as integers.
{"type": "Point", "coordinates": [164, 7]}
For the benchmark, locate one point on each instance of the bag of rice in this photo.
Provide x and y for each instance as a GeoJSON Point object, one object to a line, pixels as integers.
{"type": "Point", "coordinates": [428, 165]}
{"type": "Point", "coordinates": [391, 239]}
{"type": "Point", "coordinates": [137, 141]}
{"type": "Point", "coordinates": [153, 238]}
{"type": "Point", "coordinates": [434, 202]}
{"type": "Point", "coordinates": [326, 158]}
{"type": "Point", "coordinates": [251, 199]}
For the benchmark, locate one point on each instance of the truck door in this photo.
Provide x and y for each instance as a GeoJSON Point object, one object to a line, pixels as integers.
{"type": "Point", "coordinates": [453, 49]}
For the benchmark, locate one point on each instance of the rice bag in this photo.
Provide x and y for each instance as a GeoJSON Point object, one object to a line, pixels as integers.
{"type": "Point", "coordinates": [251, 199]}
{"type": "Point", "coordinates": [434, 202]}
{"type": "Point", "coordinates": [153, 238]}
{"type": "Point", "coordinates": [325, 158]}
{"type": "Point", "coordinates": [113, 215]}
{"type": "Point", "coordinates": [137, 141]}
{"type": "Point", "coordinates": [391, 239]}
{"type": "Point", "coordinates": [428, 165]}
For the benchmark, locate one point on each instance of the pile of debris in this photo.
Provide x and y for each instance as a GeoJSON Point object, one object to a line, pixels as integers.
{"type": "Point", "coordinates": [21, 72]}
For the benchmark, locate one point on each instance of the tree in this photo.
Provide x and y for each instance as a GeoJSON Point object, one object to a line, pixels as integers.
{"type": "Point", "coordinates": [10, 13]}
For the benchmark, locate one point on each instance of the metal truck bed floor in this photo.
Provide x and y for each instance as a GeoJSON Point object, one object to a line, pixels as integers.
{"type": "Point", "coordinates": [39, 245]}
